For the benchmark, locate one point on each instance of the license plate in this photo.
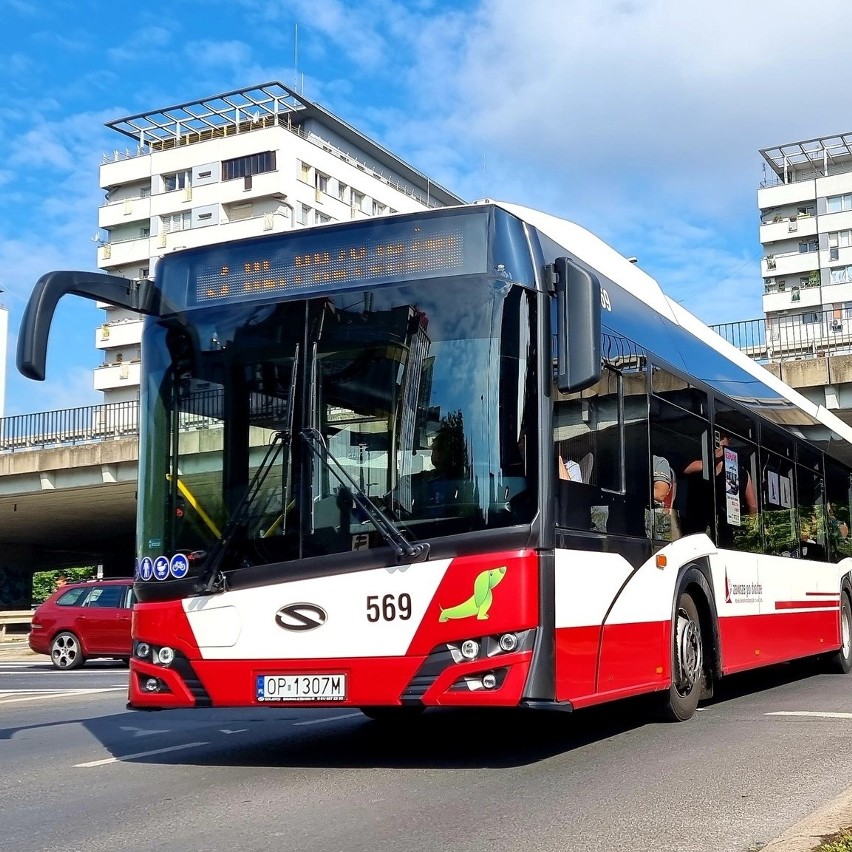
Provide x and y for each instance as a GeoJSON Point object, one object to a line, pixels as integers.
{"type": "Point", "coordinates": [301, 687]}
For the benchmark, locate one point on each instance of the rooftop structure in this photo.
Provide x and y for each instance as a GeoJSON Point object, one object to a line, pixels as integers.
{"type": "Point", "coordinates": [238, 164]}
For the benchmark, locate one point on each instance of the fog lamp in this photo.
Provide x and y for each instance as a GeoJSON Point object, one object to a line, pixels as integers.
{"type": "Point", "coordinates": [152, 684]}
{"type": "Point", "coordinates": [470, 649]}
{"type": "Point", "coordinates": [489, 681]}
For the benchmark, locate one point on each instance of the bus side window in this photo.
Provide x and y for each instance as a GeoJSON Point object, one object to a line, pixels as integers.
{"type": "Point", "coordinates": [587, 453]}
{"type": "Point", "coordinates": [837, 511]}
{"type": "Point", "coordinates": [811, 505]}
{"type": "Point", "coordinates": [682, 489]}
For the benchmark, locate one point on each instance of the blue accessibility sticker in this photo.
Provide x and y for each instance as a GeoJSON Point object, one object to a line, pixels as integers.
{"type": "Point", "coordinates": [179, 566]}
{"type": "Point", "coordinates": [146, 568]}
{"type": "Point", "coordinates": [161, 567]}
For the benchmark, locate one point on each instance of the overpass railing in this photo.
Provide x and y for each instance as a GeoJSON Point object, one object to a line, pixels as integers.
{"type": "Point", "coordinates": [69, 426]}
{"type": "Point", "coordinates": [807, 334]}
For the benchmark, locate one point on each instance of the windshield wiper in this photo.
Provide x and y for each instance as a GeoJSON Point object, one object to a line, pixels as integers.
{"type": "Point", "coordinates": [212, 577]}
{"type": "Point", "coordinates": [404, 550]}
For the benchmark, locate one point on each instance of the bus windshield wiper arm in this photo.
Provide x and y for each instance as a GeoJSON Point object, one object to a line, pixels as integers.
{"type": "Point", "coordinates": [405, 550]}
{"type": "Point", "coordinates": [212, 575]}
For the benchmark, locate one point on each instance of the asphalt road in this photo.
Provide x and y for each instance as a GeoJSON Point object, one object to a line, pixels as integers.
{"type": "Point", "coordinates": [79, 772]}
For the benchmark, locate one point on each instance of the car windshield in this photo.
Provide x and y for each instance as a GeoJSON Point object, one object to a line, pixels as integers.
{"type": "Point", "coordinates": [339, 423]}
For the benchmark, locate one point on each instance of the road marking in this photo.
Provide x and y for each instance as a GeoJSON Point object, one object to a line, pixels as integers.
{"type": "Point", "coordinates": [327, 719]}
{"type": "Point", "coordinates": [107, 760]}
{"type": "Point", "coordinates": [52, 693]}
{"type": "Point", "coordinates": [143, 732]}
{"type": "Point", "coordinates": [812, 714]}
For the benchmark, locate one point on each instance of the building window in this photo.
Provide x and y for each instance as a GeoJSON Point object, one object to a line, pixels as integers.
{"type": "Point", "coordinates": [808, 245]}
{"type": "Point", "coordinates": [144, 271]}
{"type": "Point", "coordinates": [379, 209]}
{"type": "Point", "coordinates": [176, 222]}
{"type": "Point", "coordinates": [304, 172]}
{"type": "Point", "coordinates": [176, 180]}
{"type": "Point", "coordinates": [322, 182]}
{"type": "Point", "coordinates": [838, 203]}
{"type": "Point", "coordinates": [253, 164]}
{"type": "Point", "coordinates": [840, 239]}
{"type": "Point", "coordinates": [357, 200]}
{"type": "Point", "coordinates": [322, 218]}
{"type": "Point", "coordinates": [144, 233]}
{"type": "Point", "coordinates": [341, 190]}
{"type": "Point", "coordinates": [810, 317]}
{"type": "Point", "coordinates": [303, 215]}
{"type": "Point", "coordinates": [841, 275]}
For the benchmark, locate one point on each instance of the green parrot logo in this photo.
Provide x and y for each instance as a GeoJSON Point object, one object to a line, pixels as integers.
{"type": "Point", "coordinates": [480, 601]}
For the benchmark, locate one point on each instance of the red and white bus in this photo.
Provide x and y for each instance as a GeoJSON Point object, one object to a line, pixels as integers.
{"type": "Point", "coordinates": [468, 456]}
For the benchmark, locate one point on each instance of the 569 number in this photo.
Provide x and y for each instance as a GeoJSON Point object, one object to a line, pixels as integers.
{"type": "Point", "coordinates": [389, 608]}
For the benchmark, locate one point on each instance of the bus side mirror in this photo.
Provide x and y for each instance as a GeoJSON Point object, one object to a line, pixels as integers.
{"type": "Point", "coordinates": [578, 326]}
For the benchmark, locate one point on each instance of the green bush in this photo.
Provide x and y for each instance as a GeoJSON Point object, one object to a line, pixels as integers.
{"type": "Point", "coordinates": [44, 582]}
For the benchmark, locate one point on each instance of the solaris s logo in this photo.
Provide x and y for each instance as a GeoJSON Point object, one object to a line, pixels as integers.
{"type": "Point", "coordinates": [301, 616]}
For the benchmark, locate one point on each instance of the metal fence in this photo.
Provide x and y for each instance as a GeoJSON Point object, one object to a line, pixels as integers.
{"type": "Point", "coordinates": [69, 426]}
{"type": "Point", "coordinates": [808, 334]}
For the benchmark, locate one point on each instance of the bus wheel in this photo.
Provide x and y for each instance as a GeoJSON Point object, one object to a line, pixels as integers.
{"type": "Point", "coordinates": [841, 662]}
{"type": "Point", "coordinates": [392, 715]}
{"type": "Point", "coordinates": [687, 662]}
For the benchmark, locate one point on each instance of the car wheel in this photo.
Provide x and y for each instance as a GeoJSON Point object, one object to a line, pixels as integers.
{"type": "Point", "coordinates": [66, 652]}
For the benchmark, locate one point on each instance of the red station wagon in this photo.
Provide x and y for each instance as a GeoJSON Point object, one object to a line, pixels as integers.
{"type": "Point", "coordinates": [83, 620]}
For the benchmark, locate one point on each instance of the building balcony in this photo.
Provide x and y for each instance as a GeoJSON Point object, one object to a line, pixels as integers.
{"type": "Point", "coordinates": [792, 298]}
{"type": "Point", "coordinates": [113, 335]}
{"type": "Point", "coordinates": [788, 227]}
{"type": "Point", "coordinates": [789, 263]}
{"type": "Point", "coordinates": [786, 193]}
{"type": "Point", "coordinates": [123, 167]}
{"type": "Point", "coordinates": [110, 376]}
{"type": "Point", "coordinates": [116, 254]}
{"type": "Point", "coordinates": [123, 212]}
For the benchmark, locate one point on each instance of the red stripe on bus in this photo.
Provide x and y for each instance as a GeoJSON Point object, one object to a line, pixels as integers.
{"type": "Point", "coordinates": [827, 604]}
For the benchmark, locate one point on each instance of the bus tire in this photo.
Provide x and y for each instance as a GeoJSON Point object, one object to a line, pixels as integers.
{"type": "Point", "coordinates": [681, 701]}
{"type": "Point", "coordinates": [841, 662]}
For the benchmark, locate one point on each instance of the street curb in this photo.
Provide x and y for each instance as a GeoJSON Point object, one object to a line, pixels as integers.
{"type": "Point", "coordinates": [807, 834]}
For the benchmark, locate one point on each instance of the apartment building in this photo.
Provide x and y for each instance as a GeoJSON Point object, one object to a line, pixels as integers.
{"type": "Point", "coordinates": [806, 231]}
{"type": "Point", "coordinates": [242, 163]}
{"type": "Point", "coordinates": [4, 342]}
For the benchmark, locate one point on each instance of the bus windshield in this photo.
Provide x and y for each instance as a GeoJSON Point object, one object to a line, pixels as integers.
{"type": "Point", "coordinates": [283, 420]}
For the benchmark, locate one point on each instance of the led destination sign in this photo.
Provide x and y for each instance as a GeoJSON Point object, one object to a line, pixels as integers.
{"type": "Point", "coordinates": [268, 268]}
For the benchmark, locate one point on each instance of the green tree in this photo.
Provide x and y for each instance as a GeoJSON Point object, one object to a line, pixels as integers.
{"type": "Point", "coordinates": [44, 582]}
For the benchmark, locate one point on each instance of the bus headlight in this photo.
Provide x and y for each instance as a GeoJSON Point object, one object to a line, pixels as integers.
{"type": "Point", "coordinates": [470, 649]}
{"type": "Point", "coordinates": [165, 656]}
{"type": "Point", "coordinates": [508, 642]}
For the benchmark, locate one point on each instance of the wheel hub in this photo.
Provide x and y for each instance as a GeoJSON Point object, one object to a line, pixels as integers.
{"type": "Point", "coordinates": [688, 654]}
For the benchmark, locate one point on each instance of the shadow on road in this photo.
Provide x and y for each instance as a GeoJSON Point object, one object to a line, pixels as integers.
{"type": "Point", "coordinates": [440, 738]}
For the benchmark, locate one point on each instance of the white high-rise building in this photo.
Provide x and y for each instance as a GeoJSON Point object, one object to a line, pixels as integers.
{"type": "Point", "coordinates": [806, 233]}
{"type": "Point", "coordinates": [242, 163]}
{"type": "Point", "coordinates": [4, 344]}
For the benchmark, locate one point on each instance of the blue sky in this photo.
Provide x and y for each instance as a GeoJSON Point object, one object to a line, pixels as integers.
{"type": "Point", "coordinates": [639, 120]}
